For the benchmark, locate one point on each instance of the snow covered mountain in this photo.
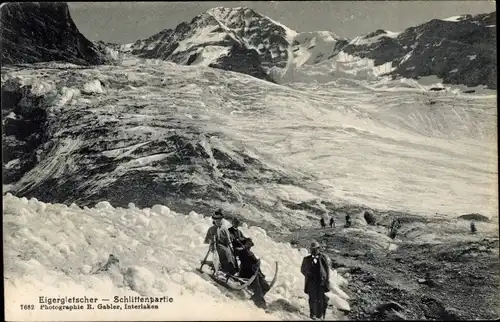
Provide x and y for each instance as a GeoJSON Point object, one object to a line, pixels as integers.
{"type": "Point", "coordinates": [43, 31]}
{"type": "Point", "coordinates": [460, 51]}
{"type": "Point", "coordinates": [236, 39]}
{"type": "Point", "coordinates": [197, 138]}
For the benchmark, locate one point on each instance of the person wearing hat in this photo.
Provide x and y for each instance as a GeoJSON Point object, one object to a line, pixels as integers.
{"type": "Point", "coordinates": [249, 263]}
{"type": "Point", "coordinates": [347, 221]}
{"type": "Point", "coordinates": [237, 236]}
{"type": "Point", "coordinates": [316, 270]}
{"type": "Point", "coordinates": [219, 239]}
{"type": "Point", "coordinates": [332, 222]}
{"type": "Point", "coordinates": [324, 218]}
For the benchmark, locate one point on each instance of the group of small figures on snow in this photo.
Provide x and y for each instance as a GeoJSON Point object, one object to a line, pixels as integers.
{"type": "Point", "coordinates": [230, 245]}
{"type": "Point", "coordinates": [369, 218]}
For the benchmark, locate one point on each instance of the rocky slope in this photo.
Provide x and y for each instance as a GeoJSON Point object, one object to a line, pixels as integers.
{"type": "Point", "coordinates": [428, 272]}
{"type": "Point", "coordinates": [232, 39]}
{"type": "Point", "coordinates": [461, 50]}
{"type": "Point", "coordinates": [85, 135]}
{"type": "Point", "coordinates": [41, 32]}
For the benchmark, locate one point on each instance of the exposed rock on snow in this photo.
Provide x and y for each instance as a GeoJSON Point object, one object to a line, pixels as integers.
{"type": "Point", "coordinates": [476, 217]}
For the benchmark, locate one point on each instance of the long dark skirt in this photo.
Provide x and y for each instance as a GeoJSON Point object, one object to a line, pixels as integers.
{"type": "Point", "coordinates": [227, 260]}
{"type": "Point", "coordinates": [259, 286]}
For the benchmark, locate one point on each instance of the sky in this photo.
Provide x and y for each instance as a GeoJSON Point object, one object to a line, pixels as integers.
{"type": "Point", "coordinates": [126, 22]}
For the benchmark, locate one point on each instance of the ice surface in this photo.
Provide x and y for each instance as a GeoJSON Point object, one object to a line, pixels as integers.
{"type": "Point", "coordinates": [54, 250]}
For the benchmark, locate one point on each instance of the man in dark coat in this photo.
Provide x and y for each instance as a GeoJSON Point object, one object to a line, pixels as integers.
{"type": "Point", "coordinates": [316, 269]}
{"type": "Point", "coordinates": [332, 222]}
{"type": "Point", "coordinates": [393, 230]}
{"type": "Point", "coordinates": [249, 264]}
{"type": "Point", "coordinates": [219, 239]}
{"type": "Point", "coordinates": [347, 221]}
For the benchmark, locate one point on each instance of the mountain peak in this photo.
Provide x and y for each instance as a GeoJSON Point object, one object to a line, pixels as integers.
{"type": "Point", "coordinates": [224, 12]}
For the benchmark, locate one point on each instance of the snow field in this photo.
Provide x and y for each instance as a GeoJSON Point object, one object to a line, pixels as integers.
{"type": "Point", "coordinates": [56, 251]}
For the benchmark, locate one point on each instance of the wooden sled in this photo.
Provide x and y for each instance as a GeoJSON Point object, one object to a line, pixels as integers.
{"type": "Point", "coordinates": [227, 280]}
{"type": "Point", "coordinates": [234, 282]}
{"type": "Point", "coordinates": [230, 281]}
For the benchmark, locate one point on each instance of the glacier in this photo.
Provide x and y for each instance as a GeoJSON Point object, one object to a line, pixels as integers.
{"type": "Point", "coordinates": [350, 141]}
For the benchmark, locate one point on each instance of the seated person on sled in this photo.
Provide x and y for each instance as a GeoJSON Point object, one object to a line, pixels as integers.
{"type": "Point", "coordinates": [219, 239]}
{"type": "Point", "coordinates": [249, 263]}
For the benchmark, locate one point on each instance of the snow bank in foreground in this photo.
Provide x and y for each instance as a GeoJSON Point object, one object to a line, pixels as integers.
{"type": "Point", "coordinates": [53, 250]}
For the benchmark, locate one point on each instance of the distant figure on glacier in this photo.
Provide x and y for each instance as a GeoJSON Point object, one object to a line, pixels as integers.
{"type": "Point", "coordinates": [324, 218]}
{"type": "Point", "coordinates": [332, 222]}
{"type": "Point", "coordinates": [347, 221]}
{"type": "Point", "coordinates": [393, 230]}
{"type": "Point", "coordinates": [473, 227]}
{"type": "Point", "coordinates": [249, 264]}
{"type": "Point", "coordinates": [316, 269]}
{"type": "Point", "coordinates": [219, 239]}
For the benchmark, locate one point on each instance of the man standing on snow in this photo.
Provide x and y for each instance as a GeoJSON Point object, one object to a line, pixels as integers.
{"type": "Point", "coordinates": [347, 221]}
{"type": "Point", "coordinates": [324, 217]}
{"type": "Point", "coordinates": [332, 222]}
{"type": "Point", "coordinates": [219, 239]}
{"type": "Point", "coordinates": [316, 269]}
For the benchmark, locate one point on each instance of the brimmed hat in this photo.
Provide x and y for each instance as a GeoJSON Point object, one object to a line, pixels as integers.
{"type": "Point", "coordinates": [218, 214]}
{"type": "Point", "coordinates": [315, 244]}
{"type": "Point", "coordinates": [248, 242]}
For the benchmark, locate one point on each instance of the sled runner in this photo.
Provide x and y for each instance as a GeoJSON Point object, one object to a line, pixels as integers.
{"type": "Point", "coordinates": [231, 281]}
{"type": "Point", "coordinates": [275, 278]}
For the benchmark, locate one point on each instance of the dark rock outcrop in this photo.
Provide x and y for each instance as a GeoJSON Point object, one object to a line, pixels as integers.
{"type": "Point", "coordinates": [476, 217]}
{"type": "Point", "coordinates": [36, 32]}
{"type": "Point", "coordinates": [242, 60]}
{"type": "Point", "coordinates": [370, 217]}
{"type": "Point", "coordinates": [24, 122]}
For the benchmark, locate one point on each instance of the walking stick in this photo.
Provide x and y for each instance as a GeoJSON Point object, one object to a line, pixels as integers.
{"type": "Point", "coordinates": [203, 262]}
